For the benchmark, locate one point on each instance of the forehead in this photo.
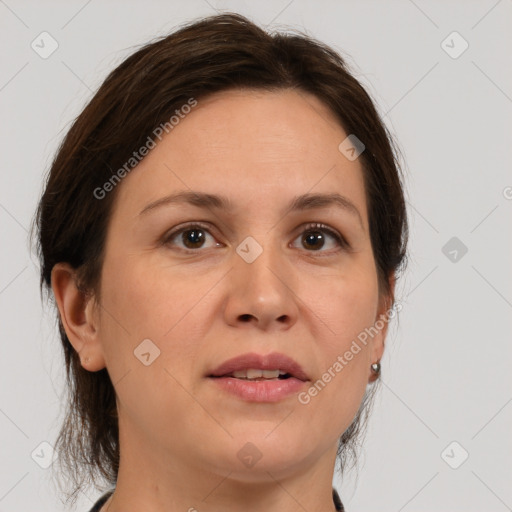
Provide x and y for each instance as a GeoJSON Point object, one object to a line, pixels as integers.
{"type": "Point", "coordinates": [256, 147]}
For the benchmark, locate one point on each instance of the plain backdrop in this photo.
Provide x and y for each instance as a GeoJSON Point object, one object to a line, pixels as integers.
{"type": "Point", "coordinates": [441, 74]}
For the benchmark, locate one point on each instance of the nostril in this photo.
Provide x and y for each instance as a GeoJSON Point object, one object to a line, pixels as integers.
{"type": "Point", "coordinates": [245, 317]}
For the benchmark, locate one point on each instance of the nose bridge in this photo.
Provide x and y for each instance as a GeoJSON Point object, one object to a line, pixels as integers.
{"type": "Point", "coordinates": [258, 264]}
{"type": "Point", "coordinates": [261, 289]}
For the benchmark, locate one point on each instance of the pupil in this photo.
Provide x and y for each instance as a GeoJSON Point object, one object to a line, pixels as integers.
{"type": "Point", "coordinates": [312, 236]}
{"type": "Point", "coordinates": [192, 238]}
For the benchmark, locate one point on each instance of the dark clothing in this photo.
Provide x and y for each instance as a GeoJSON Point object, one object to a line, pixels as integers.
{"type": "Point", "coordinates": [101, 502]}
{"type": "Point", "coordinates": [105, 497]}
{"type": "Point", "coordinates": [337, 501]}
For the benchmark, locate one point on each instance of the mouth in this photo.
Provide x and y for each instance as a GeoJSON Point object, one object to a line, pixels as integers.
{"type": "Point", "coordinates": [255, 374]}
{"type": "Point", "coordinates": [256, 378]}
{"type": "Point", "coordinates": [253, 366]}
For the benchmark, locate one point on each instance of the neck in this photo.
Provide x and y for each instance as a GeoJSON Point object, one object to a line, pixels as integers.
{"type": "Point", "coordinates": [156, 481]}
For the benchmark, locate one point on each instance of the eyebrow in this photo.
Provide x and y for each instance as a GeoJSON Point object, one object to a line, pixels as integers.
{"type": "Point", "coordinates": [216, 202]}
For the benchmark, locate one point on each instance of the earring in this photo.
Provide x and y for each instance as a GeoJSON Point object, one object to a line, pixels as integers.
{"type": "Point", "coordinates": [376, 368]}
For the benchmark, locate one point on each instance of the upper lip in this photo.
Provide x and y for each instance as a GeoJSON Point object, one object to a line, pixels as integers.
{"type": "Point", "coordinates": [273, 361]}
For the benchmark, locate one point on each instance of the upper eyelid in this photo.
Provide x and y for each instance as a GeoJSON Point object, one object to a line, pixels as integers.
{"type": "Point", "coordinates": [189, 225]}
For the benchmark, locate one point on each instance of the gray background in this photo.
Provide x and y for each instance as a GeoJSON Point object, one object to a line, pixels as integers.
{"type": "Point", "coordinates": [446, 370]}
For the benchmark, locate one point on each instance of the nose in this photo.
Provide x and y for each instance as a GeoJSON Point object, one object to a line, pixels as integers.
{"type": "Point", "coordinates": [261, 293]}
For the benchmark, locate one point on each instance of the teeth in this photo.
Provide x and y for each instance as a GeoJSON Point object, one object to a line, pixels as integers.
{"type": "Point", "coordinates": [253, 373]}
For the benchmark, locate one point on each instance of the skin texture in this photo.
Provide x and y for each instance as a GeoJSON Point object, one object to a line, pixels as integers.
{"type": "Point", "coordinates": [179, 434]}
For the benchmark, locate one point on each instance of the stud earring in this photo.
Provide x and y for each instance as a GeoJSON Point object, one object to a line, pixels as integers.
{"type": "Point", "coordinates": [376, 368]}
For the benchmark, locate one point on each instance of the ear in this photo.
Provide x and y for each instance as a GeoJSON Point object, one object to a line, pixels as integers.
{"type": "Point", "coordinates": [381, 323]}
{"type": "Point", "coordinates": [78, 316]}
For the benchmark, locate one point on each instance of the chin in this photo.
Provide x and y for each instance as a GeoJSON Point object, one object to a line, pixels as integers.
{"type": "Point", "coordinates": [253, 454]}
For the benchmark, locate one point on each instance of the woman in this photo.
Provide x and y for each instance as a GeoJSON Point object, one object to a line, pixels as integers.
{"type": "Point", "coordinates": [222, 229]}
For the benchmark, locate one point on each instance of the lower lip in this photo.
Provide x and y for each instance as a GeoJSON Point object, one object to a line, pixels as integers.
{"type": "Point", "coordinates": [271, 390]}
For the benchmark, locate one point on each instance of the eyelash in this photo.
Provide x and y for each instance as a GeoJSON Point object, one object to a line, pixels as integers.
{"type": "Point", "coordinates": [314, 226]}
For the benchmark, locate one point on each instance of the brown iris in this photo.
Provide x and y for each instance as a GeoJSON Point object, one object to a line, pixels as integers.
{"type": "Point", "coordinates": [311, 236]}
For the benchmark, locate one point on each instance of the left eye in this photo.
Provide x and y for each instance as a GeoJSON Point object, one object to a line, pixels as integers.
{"type": "Point", "coordinates": [314, 235]}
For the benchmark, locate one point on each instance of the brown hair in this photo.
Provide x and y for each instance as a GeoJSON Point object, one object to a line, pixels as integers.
{"type": "Point", "coordinates": [213, 54]}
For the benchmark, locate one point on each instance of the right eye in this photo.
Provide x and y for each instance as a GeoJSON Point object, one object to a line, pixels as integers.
{"type": "Point", "coordinates": [192, 236]}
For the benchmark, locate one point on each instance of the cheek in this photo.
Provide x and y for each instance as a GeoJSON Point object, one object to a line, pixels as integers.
{"type": "Point", "coordinates": [346, 304]}
{"type": "Point", "coordinates": [347, 308]}
{"type": "Point", "coordinates": [338, 389]}
{"type": "Point", "coordinates": [138, 305]}
{"type": "Point", "coordinates": [143, 301]}
{"type": "Point", "coordinates": [146, 301]}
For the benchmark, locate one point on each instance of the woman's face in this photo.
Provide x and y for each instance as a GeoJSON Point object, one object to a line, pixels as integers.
{"type": "Point", "coordinates": [186, 287]}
